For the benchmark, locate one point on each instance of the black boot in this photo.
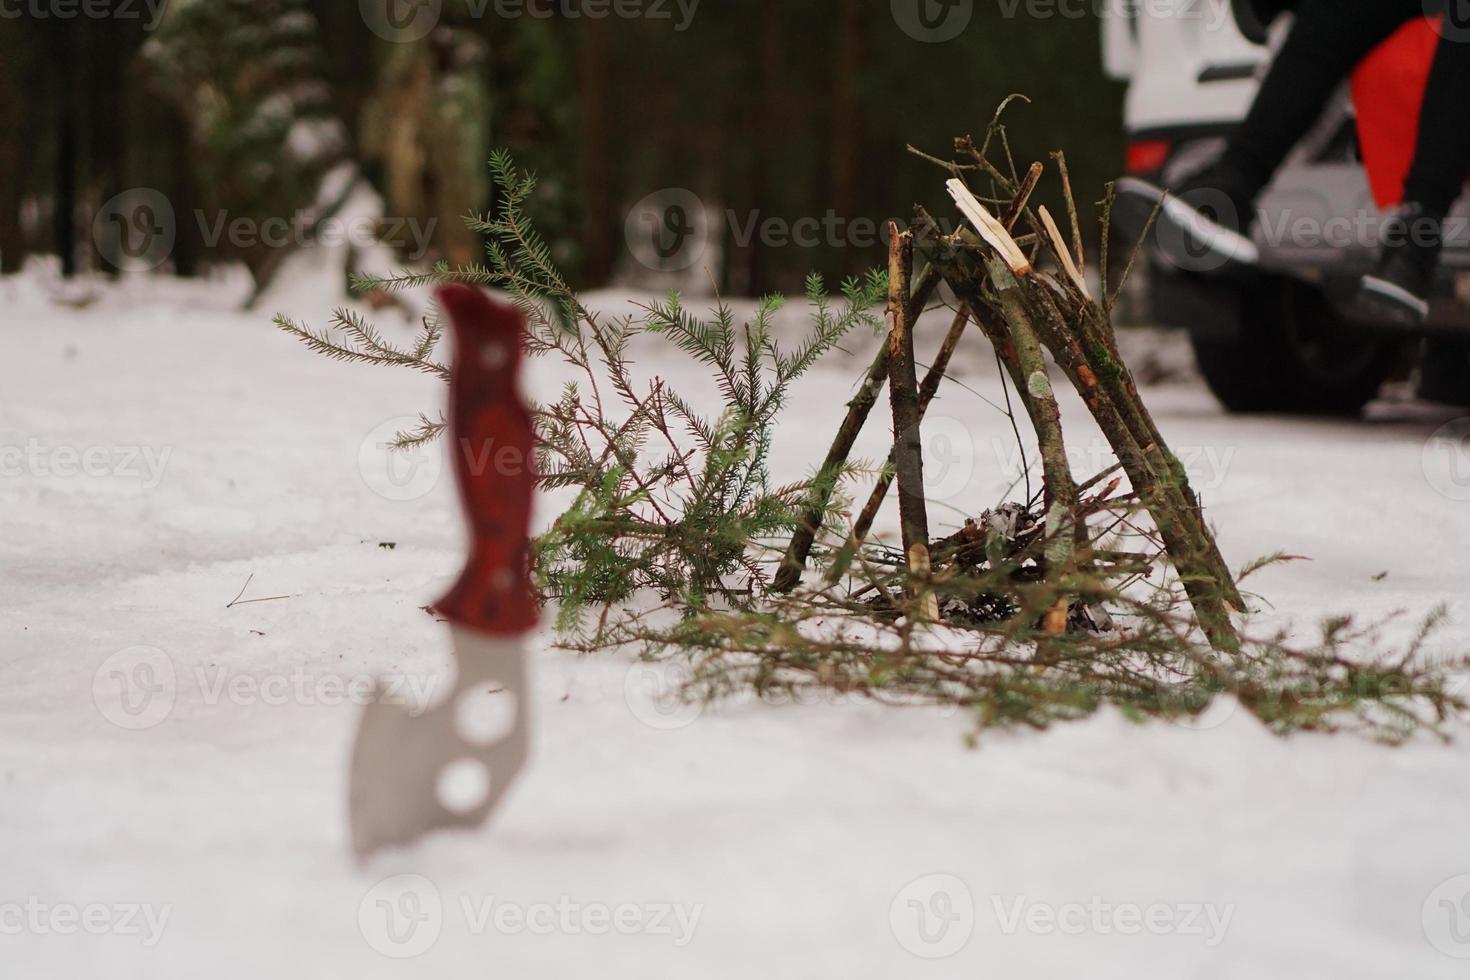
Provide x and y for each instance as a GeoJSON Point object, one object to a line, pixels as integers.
{"type": "Point", "coordinates": [1444, 371]}
{"type": "Point", "coordinates": [1203, 225]}
{"type": "Point", "coordinates": [1397, 292]}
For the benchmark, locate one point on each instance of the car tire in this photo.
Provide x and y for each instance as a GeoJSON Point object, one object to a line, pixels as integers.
{"type": "Point", "coordinates": [1273, 344]}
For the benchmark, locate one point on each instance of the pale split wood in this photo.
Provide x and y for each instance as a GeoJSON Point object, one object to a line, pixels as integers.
{"type": "Point", "coordinates": [1064, 254]}
{"type": "Point", "coordinates": [989, 228]}
{"type": "Point", "coordinates": [920, 569]}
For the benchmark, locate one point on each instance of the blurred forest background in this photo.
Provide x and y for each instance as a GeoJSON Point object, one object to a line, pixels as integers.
{"type": "Point", "coordinates": [780, 110]}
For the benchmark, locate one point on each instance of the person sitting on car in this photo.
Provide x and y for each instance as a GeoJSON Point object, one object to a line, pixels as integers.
{"type": "Point", "coordinates": [1328, 39]}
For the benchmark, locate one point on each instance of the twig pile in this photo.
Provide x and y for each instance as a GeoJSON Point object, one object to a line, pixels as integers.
{"type": "Point", "coordinates": [1023, 311]}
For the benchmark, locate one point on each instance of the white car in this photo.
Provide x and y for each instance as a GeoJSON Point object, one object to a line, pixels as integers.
{"type": "Point", "coordinates": [1277, 340]}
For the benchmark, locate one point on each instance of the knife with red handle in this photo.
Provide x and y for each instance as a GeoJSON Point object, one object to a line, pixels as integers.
{"type": "Point", "coordinates": [451, 765]}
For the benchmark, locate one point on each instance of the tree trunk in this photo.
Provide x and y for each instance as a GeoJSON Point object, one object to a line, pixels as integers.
{"type": "Point", "coordinates": [847, 121]}
{"type": "Point", "coordinates": [12, 183]}
{"type": "Point", "coordinates": [63, 42]}
{"type": "Point", "coordinates": [593, 150]}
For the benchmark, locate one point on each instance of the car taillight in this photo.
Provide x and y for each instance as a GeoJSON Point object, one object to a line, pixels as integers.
{"type": "Point", "coordinates": [1147, 156]}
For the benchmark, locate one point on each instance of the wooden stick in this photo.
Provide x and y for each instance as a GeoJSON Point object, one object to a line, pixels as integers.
{"type": "Point", "coordinates": [1059, 247]}
{"type": "Point", "coordinates": [927, 391]}
{"type": "Point", "coordinates": [990, 230]}
{"type": "Point", "coordinates": [1099, 338]}
{"type": "Point", "coordinates": [1167, 506]}
{"type": "Point", "coordinates": [1167, 509]}
{"type": "Point", "coordinates": [788, 575]}
{"type": "Point", "coordinates": [1061, 159]}
{"type": "Point", "coordinates": [1018, 203]}
{"type": "Point", "coordinates": [1060, 492]}
{"type": "Point", "coordinates": [908, 446]}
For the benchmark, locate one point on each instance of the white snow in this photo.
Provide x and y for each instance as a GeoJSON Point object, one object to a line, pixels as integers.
{"type": "Point", "coordinates": [749, 840]}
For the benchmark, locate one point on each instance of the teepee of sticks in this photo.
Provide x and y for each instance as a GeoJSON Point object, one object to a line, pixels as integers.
{"type": "Point", "coordinates": [1025, 312]}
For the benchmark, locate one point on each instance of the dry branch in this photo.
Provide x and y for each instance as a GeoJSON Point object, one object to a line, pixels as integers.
{"type": "Point", "coordinates": [927, 391]}
{"type": "Point", "coordinates": [903, 393]}
{"type": "Point", "coordinates": [990, 230]}
{"type": "Point", "coordinates": [788, 575]}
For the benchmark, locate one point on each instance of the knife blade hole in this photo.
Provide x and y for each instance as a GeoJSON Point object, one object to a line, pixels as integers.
{"type": "Point", "coordinates": [463, 785]}
{"type": "Point", "coordinates": [485, 714]}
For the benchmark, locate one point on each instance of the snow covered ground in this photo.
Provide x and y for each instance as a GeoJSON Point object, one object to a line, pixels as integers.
{"type": "Point", "coordinates": [172, 767]}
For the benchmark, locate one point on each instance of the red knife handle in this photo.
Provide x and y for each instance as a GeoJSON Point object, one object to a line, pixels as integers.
{"type": "Point", "coordinates": [492, 449]}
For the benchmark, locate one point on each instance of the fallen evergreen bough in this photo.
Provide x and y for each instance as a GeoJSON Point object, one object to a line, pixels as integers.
{"type": "Point", "coordinates": [1103, 590]}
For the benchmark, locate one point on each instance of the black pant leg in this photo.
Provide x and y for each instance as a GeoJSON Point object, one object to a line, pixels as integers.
{"type": "Point", "coordinates": [1327, 40]}
{"type": "Point", "coordinates": [1442, 154]}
